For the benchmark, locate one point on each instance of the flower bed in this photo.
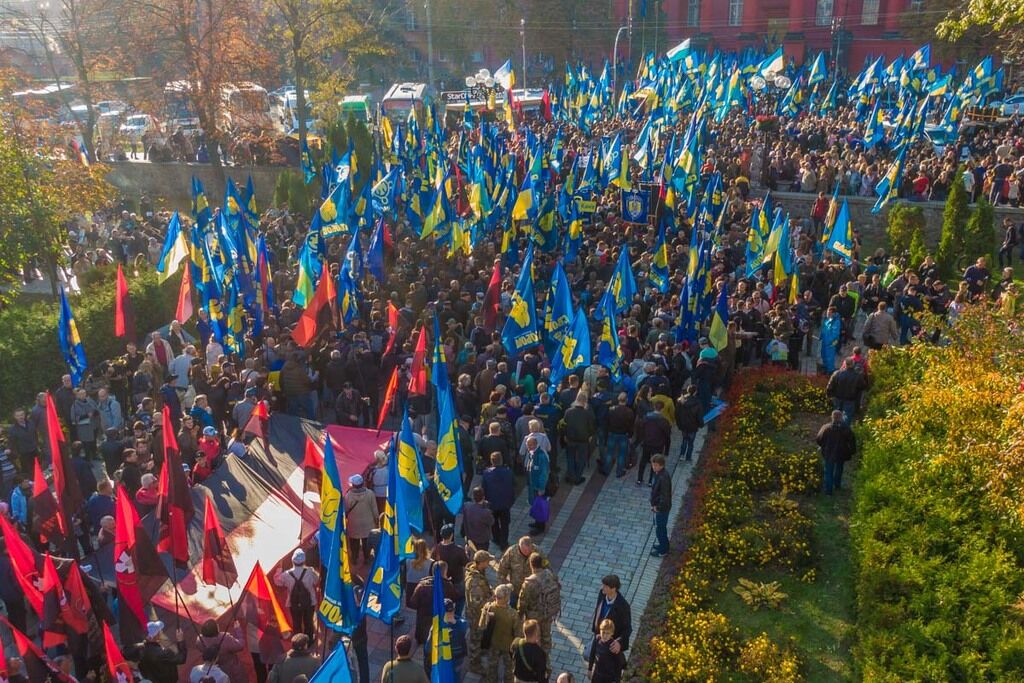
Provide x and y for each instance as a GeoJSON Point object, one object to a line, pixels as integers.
{"type": "Point", "coordinates": [748, 514]}
{"type": "Point", "coordinates": [938, 519]}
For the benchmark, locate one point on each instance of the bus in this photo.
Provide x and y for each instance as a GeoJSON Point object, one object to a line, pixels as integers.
{"type": "Point", "coordinates": [246, 105]}
{"type": "Point", "coordinates": [358, 106]}
{"type": "Point", "coordinates": [401, 98]}
{"type": "Point", "coordinates": [178, 111]}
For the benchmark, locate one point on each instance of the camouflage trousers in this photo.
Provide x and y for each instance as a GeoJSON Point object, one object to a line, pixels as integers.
{"type": "Point", "coordinates": [475, 654]}
{"type": "Point", "coordinates": [497, 666]}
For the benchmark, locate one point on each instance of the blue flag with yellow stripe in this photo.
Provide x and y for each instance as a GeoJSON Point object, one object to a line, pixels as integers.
{"type": "Point", "coordinates": [70, 342]}
{"type": "Point", "coordinates": [442, 664]}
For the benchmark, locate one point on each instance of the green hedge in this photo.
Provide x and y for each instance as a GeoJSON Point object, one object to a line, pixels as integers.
{"type": "Point", "coordinates": [937, 526]}
{"type": "Point", "coordinates": [30, 357]}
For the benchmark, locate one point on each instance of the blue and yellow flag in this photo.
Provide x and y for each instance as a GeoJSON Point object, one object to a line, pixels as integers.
{"type": "Point", "coordinates": [574, 351]}
{"type": "Point", "coordinates": [574, 235]}
{"type": "Point", "coordinates": [70, 342]}
{"type": "Point", "coordinates": [412, 482]}
{"type": "Point", "coordinates": [382, 598]}
{"type": "Point", "coordinates": [330, 500]}
{"type": "Point", "coordinates": [622, 286]}
{"type": "Point", "coordinates": [310, 264]}
{"type": "Point", "coordinates": [338, 609]}
{"type": "Point", "coordinates": [557, 309]}
{"type": "Point", "coordinates": [335, 668]}
{"type": "Point", "coordinates": [520, 331]}
{"type": "Point", "coordinates": [718, 336]}
{"type": "Point", "coordinates": [840, 240]}
{"type": "Point", "coordinates": [819, 71]}
{"type": "Point", "coordinates": [201, 212]}
{"type": "Point", "coordinates": [615, 165]}
{"type": "Point", "coordinates": [306, 164]}
{"type": "Point", "coordinates": [442, 664]}
{"type": "Point", "coordinates": [875, 132]}
{"type": "Point", "coordinates": [888, 188]}
{"type": "Point", "coordinates": [334, 212]}
{"type": "Point", "coordinates": [175, 249]}
{"type": "Point", "coordinates": [448, 473]}
{"type": "Point", "coordinates": [609, 353]}
{"type": "Point", "coordinates": [659, 274]}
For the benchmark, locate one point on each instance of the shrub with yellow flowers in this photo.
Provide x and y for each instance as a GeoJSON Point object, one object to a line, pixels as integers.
{"type": "Point", "coordinates": [744, 514]}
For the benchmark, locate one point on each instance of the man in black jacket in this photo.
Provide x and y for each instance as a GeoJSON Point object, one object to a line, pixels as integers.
{"type": "Point", "coordinates": [838, 444]}
{"type": "Point", "coordinates": [655, 435]}
{"type": "Point", "coordinates": [158, 663]}
{"type": "Point", "coordinates": [844, 388]}
{"type": "Point", "coordinates": [661, 503]}
{"type": "Point", "coordinates": [611, 604]}
{"type": "Point", "coordinates": [689, 419]}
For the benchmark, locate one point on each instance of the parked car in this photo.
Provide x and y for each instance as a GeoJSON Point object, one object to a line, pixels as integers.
{"type": "Point", "coordinates": [1011, 105]}
{"type": "Point", "coordinates": [137, 125]}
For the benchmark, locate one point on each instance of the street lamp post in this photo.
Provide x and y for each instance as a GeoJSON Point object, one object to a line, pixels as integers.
{"type": "Point", "coordinates": [615, 55]}
{"type": "Point", "coordinates": [430, 44]}
{"type": "Point", "coordinates": [522, 40]}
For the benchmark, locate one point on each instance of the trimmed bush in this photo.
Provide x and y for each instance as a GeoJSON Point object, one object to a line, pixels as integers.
{"type": "Point", "coordinates": [980, 233]}
{"type": "Point", "coordinates": [904, 220]}
{"type": "Point", "coordinates": [954, 226]}
{"type": "Point", "coordinates": [30, 357]}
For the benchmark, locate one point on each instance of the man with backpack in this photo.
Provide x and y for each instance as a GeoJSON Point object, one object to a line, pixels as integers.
{"type": "Point", "coordinates": [541, 598]}
{"type": "Point", "coordinates": [301, 583]}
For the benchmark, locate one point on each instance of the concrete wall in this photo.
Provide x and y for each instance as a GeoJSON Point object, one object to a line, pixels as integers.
{"type": "Point", "coordinates": [170, 185]}
{"type": "Point", "coordinates": [872, 226]}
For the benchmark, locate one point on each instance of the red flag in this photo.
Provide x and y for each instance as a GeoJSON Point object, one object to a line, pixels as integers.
{"type": "Point", "coordinates": [174, 506]}
{"type": "Point", "coordinates": [184, 310]}
{"type": "Point", "coordinates": [545, 103]}
{"type": "Point", "coordinates": [492, 299]}
{"type": "Point", "coordinates": [258, 422]}
{"type": "Point", "coordinates": [76, 607]}
{"type": "Point", "coordinates": [218, 564]}
{"type": "Point", "coordinates": [312, 474]}
{"type": "Point", "coordinates": [392, 326]}
{"type": "Point", "coordinates": [418, 374]}
{"type": "Point", "coordinates": [306, 329]}
{"type": "Point", "coordinates": [51, 623]}
{"type": "Point", "coordinates": [118, 667]}
{"type": "Point", "coordinates": [65, 481]}
{"type": "Point", "coordinates": [137, 568]}
{"type": "Point", "coordinates": [263, 610]}
{"type": "Point", "coordinates": [389, 396]}
{"type": "Point", "coordinates": [25, 564]}
{"type": "Point", "coordinates": [38, 666]}
{"type": "Point", "coordinates": [48, 521]}
{"type": "Point", "coordinates": [124, 314]}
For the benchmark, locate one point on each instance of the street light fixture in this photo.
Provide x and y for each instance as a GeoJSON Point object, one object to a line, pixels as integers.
{"type": "Point", "coordinates": [522, 38]}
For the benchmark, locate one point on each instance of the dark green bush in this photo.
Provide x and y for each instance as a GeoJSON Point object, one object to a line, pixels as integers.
{"type": "Point", "coordinates": [30, 357]}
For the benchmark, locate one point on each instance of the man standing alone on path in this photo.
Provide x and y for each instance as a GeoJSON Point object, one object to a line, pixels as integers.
{"type": "Point", "coordinates": [611, 604]}
{"type": "Point", "coordinates": [838, 444]}
{"type": "Point", "coordinates": [661, 503]}
{"type": "Point", "coordinates": [655, 434]}
{"type": "Point", "coordinates": [541, 598]}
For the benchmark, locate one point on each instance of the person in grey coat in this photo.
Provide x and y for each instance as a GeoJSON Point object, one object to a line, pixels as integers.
{"type": "Point", "coordinates": [83, 411]}
{"type": "Point", "coordinates": [477, 520]}
{"type": "Point", "coordinates": [360, 518]}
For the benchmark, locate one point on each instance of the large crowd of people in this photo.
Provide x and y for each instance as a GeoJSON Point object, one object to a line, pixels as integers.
{"type": "Point", "coordinates": [517, 432]}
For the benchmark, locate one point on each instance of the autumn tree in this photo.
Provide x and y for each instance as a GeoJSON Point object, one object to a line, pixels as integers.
{"type": "Point", "coordinates": [998, 20]}
{"type": "Point", "coordinates": [208, 44]}
{"type": "Point", "coordinates": [41, 191]}
{"type": "Point", "coordinates": [322, 39]}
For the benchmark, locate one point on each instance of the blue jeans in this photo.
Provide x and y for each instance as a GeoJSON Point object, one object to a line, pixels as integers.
{"type": "Point", "coordinates": [833, 476]}
{"type": "Point", "coordinates": [661, 531]}
{"type": "Point", "coordinates": [617, 451]}
{"type": "Point", "coordinates": [576, 457]}
{"type": "Point", "coordinates": [849, 408]}
{"type": "Point", "coordinates": [686, 448]}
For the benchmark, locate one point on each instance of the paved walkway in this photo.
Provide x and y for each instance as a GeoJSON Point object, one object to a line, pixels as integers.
{"type": "Point", "coordinates": [604, 526]}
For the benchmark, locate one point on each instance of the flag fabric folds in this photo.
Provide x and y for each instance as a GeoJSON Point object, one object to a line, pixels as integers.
{"type": "Point", "coordinates": [442, 665]}
{"type": "Point", "coordinates": [574, 351]}
{"type": "Point", "coordinates": [175, 249]}
{"type": "Point", "coordinates": [309, 322]}
{"type": "Point", "coordinates": [183, 312]}
{"type": "Point", "coordinates": [47, 519]}
{"type": "Point", "coordinates": [261, 609]}
{"type": "Point", "coordinates": [124, 314]}
{"type": "Point", "coordinates": [520, 330]}
{"type": "Point", "coordinates": [335, 668]}
{"type": "Point", "coordinates": [412, 481]}
{"type": "Point", "coordinates": [174, 507]}
{"type": "Point", "coordinates": [718, 336]}
{"type": "Point", "coordinates": [116, 664]}
{"type": "Point", "coordinates": [337, 610]}
{"type": "Point", "coordinates": [137, 568]}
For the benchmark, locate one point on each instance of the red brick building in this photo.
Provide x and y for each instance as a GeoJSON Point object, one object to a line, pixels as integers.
{"type": "Point", "coordinates": [847, 29]}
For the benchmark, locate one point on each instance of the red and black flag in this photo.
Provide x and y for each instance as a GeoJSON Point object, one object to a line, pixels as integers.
{"type": "Point", "coordinates": [418, 382]}
{"type": "Point", "coordinates": [264, 611]}
{"type": "Point", "coordinates": [77, 605]}
{"type": "Point", "coordinates": [25, 562]}
{"type": "Point", "coordinates": [259, 424]}
{"type": "Point", "coordinates": [51, 621]}
{"type": "Point", "coordinates": [174, 507]}
{"type": "Point", "coordinates": [38, 666]}
{"type": "Point", "coordinates": [118, 667]}
{"type": "Point", "coordinates": [218, 564]}
{"type": "Point", "coordinates": [47, 519]}
{"type": "Point", "coordinates": [65, 482]}
{"type": "Point", "coordinates": [389, 397]}
{"type": "Point", "coordinates": [137, 568]}
{"type": "Point", "coordinates": [124, 314]}
{"type": "Point", "coordinates": [311, 320]}
{"type": "Point", "coordinates": [492, 299]}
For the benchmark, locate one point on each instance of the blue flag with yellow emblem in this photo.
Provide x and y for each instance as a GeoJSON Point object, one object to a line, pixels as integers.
{"type": "Point", "coordinates": [442, 664]}
{"type": "Point", "coordinates": [335, 668]}
{"type": "Point", "coordinates": [574, 350]}
{"type": "Point", "coordinates": [635, 206]}
{"type": "Point", "coordinates": [412, 482]}
{"type": "Point", "coordinates": [70, 342]}
{"type": "Point", "coordinates": [448, 474]}
{"type": "Point", "coordinates": [609, 353]}
{"type": "Point", "coordinates": [338, 609]}
{"type": "Point", "coordinates": [520, 331]}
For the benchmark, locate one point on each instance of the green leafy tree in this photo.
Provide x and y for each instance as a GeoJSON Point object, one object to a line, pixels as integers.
{"type": "Point", "coordinates": [980, 232]}
{"type": "Point", "coordinates": [904, 220]}
{"type": "Point", "coordinates": [999, 20]}
{"type": "Point", "coordinates": [918, 250]}
{"type": "Point", "coordinates": [954, 225]}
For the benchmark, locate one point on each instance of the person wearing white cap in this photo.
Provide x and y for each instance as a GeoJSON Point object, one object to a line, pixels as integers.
{"type": "Point", "coordinates": [301, 583]}
{"type": "Point", "coordinates": [158, 663]}
{"type": "Point", "coordinates": [360, 518]}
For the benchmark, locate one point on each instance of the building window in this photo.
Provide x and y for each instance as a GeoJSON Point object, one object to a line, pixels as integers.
{"type": "Point", "coordinates": [735, 12]}
{"type": "Point", "coordinates": [869, 15]}
{"type": "Point", "coordinates": [410, 17]}
{"type": "Point", "coordinates": [823, 13]}
{"type": "Point", "coordinates": [916, 5]}
{"type": "Point", "coordinates": [693, 13]}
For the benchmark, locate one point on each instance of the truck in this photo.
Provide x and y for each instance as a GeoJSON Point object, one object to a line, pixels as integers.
{"type": "Point", "coordinates": [401, 98]}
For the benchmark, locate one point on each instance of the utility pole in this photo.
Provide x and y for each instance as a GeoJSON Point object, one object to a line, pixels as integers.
{"type": "Point", "coordinates": [430, 46]}
{"type": "Point", "coordinates": [522, 40]}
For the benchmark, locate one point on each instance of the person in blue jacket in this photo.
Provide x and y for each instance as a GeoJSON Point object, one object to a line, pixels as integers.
{"type": "Point", "coordinates": [831, 329]}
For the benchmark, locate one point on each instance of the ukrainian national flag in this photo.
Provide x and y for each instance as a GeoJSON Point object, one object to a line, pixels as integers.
{"type": "Point", "coordinates": [175, 249]}
{"type": "Point", "coordinates": [659, 274]}
{"type": "Point", "coordinates": [70, 342]}
{"type": "Point", "coordinates": [718, 336]}
{"type": "Point", "coordinates": [840, 240]}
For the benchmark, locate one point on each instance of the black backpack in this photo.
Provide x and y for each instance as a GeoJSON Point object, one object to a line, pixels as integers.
{"type": "Point", "coordinates": [300, 597]}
